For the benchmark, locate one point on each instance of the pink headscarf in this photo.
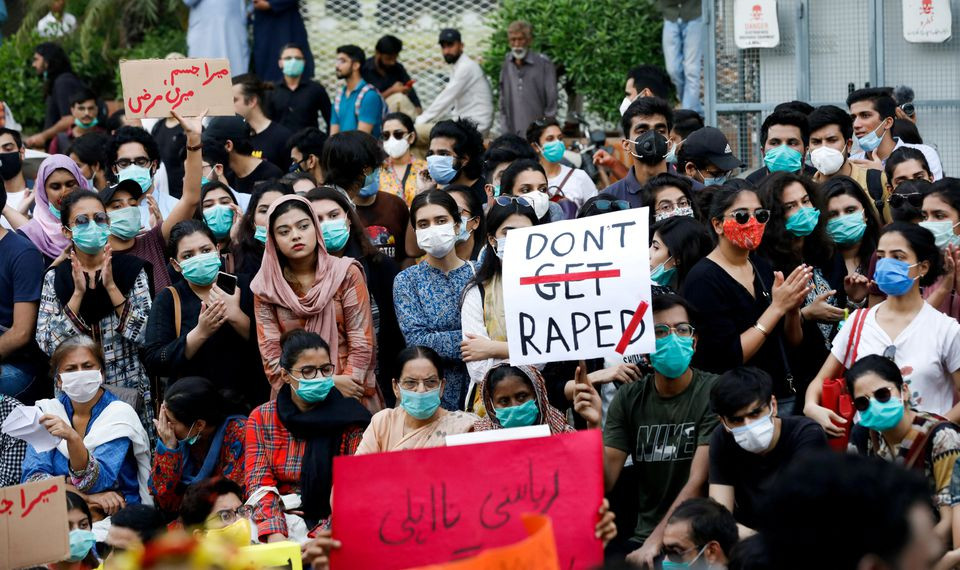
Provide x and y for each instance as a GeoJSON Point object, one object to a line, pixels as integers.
{"type": "Point", "coordinates": [315, 306]}
{"type": "Point", "coordinates": [44, 230]}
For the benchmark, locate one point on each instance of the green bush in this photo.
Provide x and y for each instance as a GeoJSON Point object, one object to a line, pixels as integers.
{"type": "Point", "coordinates": [20, 87]}
{"type": "Point", "coordinates": [156, 43]}
{"type": "Point", "coordinates": [592, 43]}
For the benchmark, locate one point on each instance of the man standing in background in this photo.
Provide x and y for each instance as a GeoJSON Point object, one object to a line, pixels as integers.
{"type": "Point", "coordinates": [277, 23]}
{"type": "Point", "coordinates": [218, 28]}
{"type": "Point", "coordinates": [683, 49]}
{"type": "Point", "coordinates": [528, 83]}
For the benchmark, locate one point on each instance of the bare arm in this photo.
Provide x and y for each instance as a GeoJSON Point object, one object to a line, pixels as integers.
{"type": "Point", "coordinates": [613, 460]}
{"type": "Point", "coordinates": [724, 495]}
{"type": "Point", "coordinates": [193, 172]}
{"type": "Point", "coordinates": [23, 328]}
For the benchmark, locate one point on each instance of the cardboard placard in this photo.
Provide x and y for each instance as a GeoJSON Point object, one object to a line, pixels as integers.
{"type": "Point", "coordinates": [154, 87]}
{"type": "Point", "coordinates": [755, 24]}
{"type": "Point", "coordinates": [33, 524]}
{"type": "Point", "coordinates": [927, 21]}
{"type": "Point", "coordinates": [537, 552]}
{"type": "Point", "coordinates": [450, 503]}
{"type": "Point", "coordinates": [579, 289]}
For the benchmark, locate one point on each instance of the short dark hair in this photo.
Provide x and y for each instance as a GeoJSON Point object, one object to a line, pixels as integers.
{"type": "Point", "coordinates": [505, 148]}
{"type": "Point", "coordinates": [801, 107]}
{"type": "Point", "coordinates": [467, 142]}
{"type": "Point", "coordinates": [186, 228]}
{"type": "Point", "coordinates": [15, 134]}
{"type": "Point", "coordinates": [309, 140]}
{"type": "Point", "coordinates": [82, 94]}
{"type": "Point", "coordinates": [126, 135]}
{"type": "Point", "coordinates": [924, 246]}
{"type": "Point", "coordinates": [291, 45]}
{"type": "Point", "coordinates": [509, 176]}
{"type": "Point", "coordinates": [901, 155]}
{"type": "Point", "coordinates": [536, 128]}
{"type": "Point", "coordinates": [881, 98]}
{"type": "Point", "coordinates": [653, 78]}
{"type": "Point", "coordinates": [195, 398]}
{"type": "Point", "coordinates": [91, 148]}
{"type": "Point", "coordinates": [251, 86]}
{"type": "Point", "coordinates": [645, 107]}
{"type": "Point", "coordinates": [668, 301]}
{"type": "Point", "coordinates": [686, 121]}
{"type": "Point", "coordinates": [389, 45]}
{"type": "Point", "coordinates": [738, 388]}
{"type": "Point", "coordinates": [355, 53]}
{"type": "Point", "coordinates": [709, 521]}
{"type": "Point", "coordinates": [293, 343]}
{"type": "Point", "coordinates": [874, 364]}
{"type": "Point", "coordinates": [791, 118]}
{"type": "Point", "coordinates": [831, 115]}
{"type": "Point", "coordinates": [146, 521]}
{"type": "Point", "coordinates": [198, 499]}
{"type": "Point", "coordinates": [345, 156]}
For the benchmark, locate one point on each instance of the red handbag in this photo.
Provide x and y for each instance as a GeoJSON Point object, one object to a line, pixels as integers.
{"type": "Point", "coordinates": [835, 396]}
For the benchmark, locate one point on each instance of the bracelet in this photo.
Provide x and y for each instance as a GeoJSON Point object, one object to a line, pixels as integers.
{"type": "Point", "coordinates": [120, 304]}
{"type": "Point", "coordinates": [761, 328]}
{"type": "Point", "coordinates": [195, 148]}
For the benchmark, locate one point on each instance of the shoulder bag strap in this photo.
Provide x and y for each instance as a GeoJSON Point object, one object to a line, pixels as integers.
{"type": "Point", "coordinates": [176, 308]}
{"type": "Point", "coordinates": [565, 178]}
{"type": "Point", "coordinates": [853, 341]}
{"type": "Point", "coordinates": [918, 449]}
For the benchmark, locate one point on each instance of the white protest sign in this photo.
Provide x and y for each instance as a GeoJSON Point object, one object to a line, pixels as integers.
{"type": "Point", "coordinates": [927, 21]}
{"type": "Point", "coordinates": [579, 289]}
{"type": "Point", "coordinates": [755, 24]}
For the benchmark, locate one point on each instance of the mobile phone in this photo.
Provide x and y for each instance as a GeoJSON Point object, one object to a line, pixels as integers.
{"type": "Point", "coordinates": [410, 83]}
{"type": "Point", "coordinates": [227, 283]}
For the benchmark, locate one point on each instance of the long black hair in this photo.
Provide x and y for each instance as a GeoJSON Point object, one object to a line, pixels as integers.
{"type": "Point", "coordinates": [777, 244]}
{"type": "Point", "coordinates": [476, 211]}
{"type": "Point", "coordinates": [723, 196]}
{"type": "Point", "coordinates": [184, 229]}
{"type": "Point", "coordinates": [846, 186]}
{"type": "Point", "coordinates": [508, 178]}
{"type": "Point", "coordinates": [358, 231]}
{"type": "Point", "coordinates": [57, 64]}
{"type": "Point", "coordinates": [924, 246]}
{"type": "Point", "coordinates": [247, 249]}
{"type": "Point", "coordinates": [686, 240]}
{"type": "Point", "coordinates": [492, 265]}
{"type": "Point", "coordinates": [195, 398]}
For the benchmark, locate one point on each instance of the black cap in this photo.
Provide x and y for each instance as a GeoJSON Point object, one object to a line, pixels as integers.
{"type": "Point", "coordinates": [449, 36]}
{"type": "Point", "coordinates": [131, 186]}
{"type": "Point", "coordinates": [222, 129]}
{"type": "Point", "coordinates": [710, 143]}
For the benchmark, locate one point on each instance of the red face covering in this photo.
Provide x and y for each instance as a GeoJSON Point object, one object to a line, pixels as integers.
{"type": "Point", "coordinates": [747, 236]}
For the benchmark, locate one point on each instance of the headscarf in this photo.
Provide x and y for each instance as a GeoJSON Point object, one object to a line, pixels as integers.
{"type": "Point", "coordinates": [43, 229]}
{"type": "Point", "coordinates": [548, 414]}
{"type": "Point", "coordinates": [316, 306]}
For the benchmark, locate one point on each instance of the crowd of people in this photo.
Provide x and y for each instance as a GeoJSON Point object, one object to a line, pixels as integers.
{"type": "Point", "coordinates": [208, 310]}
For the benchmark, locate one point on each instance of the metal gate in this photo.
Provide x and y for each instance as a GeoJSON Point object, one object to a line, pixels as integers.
{"type": "Point", "coordinates": [826, 48]}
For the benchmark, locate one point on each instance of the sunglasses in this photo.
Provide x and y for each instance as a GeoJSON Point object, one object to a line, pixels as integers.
{"type": "Point", "coordinates": [762, 215]}
{"type": "Point", "coordinates": [613, 205]}
{"type": "Point", "coordinates": [915, 199]}
{"type": "Point", "coordinates": [881, 395]}
{"type": "Point", "coordinates": [98, 218]}
{"type": "Point", "coordinates": [398, 134]}
{"type": "Point", "coordinates": [507, 200]}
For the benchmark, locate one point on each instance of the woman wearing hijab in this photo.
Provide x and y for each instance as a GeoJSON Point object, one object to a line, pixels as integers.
{"type": "Point", "coordinates": [57, 177]}
{"type": "Point", "coordinates": [300, 285]}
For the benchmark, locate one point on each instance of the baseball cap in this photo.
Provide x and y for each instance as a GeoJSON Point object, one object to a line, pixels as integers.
{"type": "Point", "coordinates": [233, 128]}
{"type": "Point", "coordinates": [449, 36]}
{"type": "Point", "coordinates": [129, 185]}
{"type": "Point", "coordinates": [711, 144]}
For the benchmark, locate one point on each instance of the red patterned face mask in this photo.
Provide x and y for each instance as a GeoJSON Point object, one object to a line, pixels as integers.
{"type": "Point", "coordinates": [747, 236]}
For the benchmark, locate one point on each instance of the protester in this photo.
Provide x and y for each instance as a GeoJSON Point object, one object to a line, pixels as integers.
{"type": "Point", "coordinates": [291, 441]}
{"type": "Point", "coordinates": [526, 179]}
{"type": "Point", "coordinates": [784, 136]}
{"type": "Point", "coordinates": [685, 123]}
{"type": "Point", "coordinates": [669, 195]}
{"type": "Point", "coordinates": [905, 202]}
{"type": "Point", "coordinates": [297, 100]}
{"type": "Point", "coordinates": [269, 138]}
{"type": "Point", "coordinates": [12, 449]}
{"type": "Point", "coordinates": [471, 240]}
{"type": "Point", "coordinates": [683, 49]}
{"type": "Point", "coordinates": [275, 24]}
{"type": "Point", "coordinates": [400, 170]}
{"type": "Point", "coordinates": [301, 182]}
{"type": "Point", "coordinates": [676, 246]}
{"type": "Point", "coordinates": [131, 528]}
{"type": "Point", "coordinates": [854, 227]}
{"type": "Point", "coordinates": [528, 82]}
{"type": "Point", "coordinates": [84, 109]}
{"type": "Point", "coordinates": [218, 28]}
{"type": "Point", "coordinates": [706, 157]}
{"type": "Point", "coordinates": [57, 178]}
{"type": "Point", "coordinates": [546, 138]}
{"type": "Point", "coordinates": [941, 215]}
{"type": "Point", "coordinates": [110, 462]}
{"type": "Point", "coordinates": [59, 83]}
{"type": "Point", "coordinates": [83, 552]}
{"type": "Point", "coordinates": [646, 124]}
{"type": "Point", "coordinates": [904, 164]}
{"type": "Point", "coordinates": [455, 156]}
{"type": "Point", "coordinates": [134, 155]}
{"type": "Point", "coordinates": [516, 396]}
{"type": "Point", "coordinates": [699, 529]}
{"type": "Point", "coordinates": [306, 149]}
{"type": "Point", "coordinates": [18, 197]}
{"type": "Point", "coordinates": [390, 78]}
{"type": "Point", "coordinates": [233, 135]}
{"type": "Point", "coordinates": [90, 154]}
{"type": "Point", "coordinates": [645, 81]}
{"type": "Point", "coordinates": [358, 106]}
{"type": "Point", "coordinates": [200, 434]}
{"type": "Point", "coordinates": [499, 155]}
{"type": "Point", "coordinates": [250, 236]}
{"type": "Point", "coordinates": [221, 213]}
{"type": "Point", "coordinates": [215, 503]}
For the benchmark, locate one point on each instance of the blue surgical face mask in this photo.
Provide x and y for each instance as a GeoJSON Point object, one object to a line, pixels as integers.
{"type": "Point", "coordinates": [371, 184]}
{"type": "Point", "coordinates": [496, 190]}
{"type": "Point", "coordinates": [53, 210]}
{"type": "Point", "coordinates": [847, 229]}
{"type": "Point", "coordinates": [670, 565]}
{"type": "Point", "coordinates": [882, 416]}
{"type": "Point", "coordinates": [260, 234]}
{"type": "Point", "coordinates": [803, 221]}
{"type": "Point", "coordinates": [81, 541]}
{"type": "Point", "coordinates": [893, 276]}
{"type": "Point", "coordinates": [672, 154]}
{"type": "Point", "coordinates": [441, 168]}
{"type": "Point", "coordinates": [219, 219]}
{"type": "Point", "coordinates": [125, 223]}
{"type": "Point", "coordinates": [783, 159]}
{"type": "Point", "coordinates": [204, 181]}
{"type": "Point", "coordinates": [90, 125]}
{"type": "Point", "coordinates": [464, 234]}
{"type": "Point", "coordinates": [335, 234]}
{"type": "Point", "coordinates": [553, 151]}
{"type": "Point", "coordinates": [314, 390]}
{"type": "Point", "coordinates": [191, 439]}
{"type": "Point", "coordinates": [420, 405]}
{"type": "Point", "coordinates": [661, 276]}
{"type": "Point", "coordinates": [943, 232]}
{"type": "Point", "coordinates": [91, 237]}
{"type": "Point", "coordinates": [140, 174]}
{"type": "Point", "coordinates": [870, 141]}
{"type": "Point", "coordinates": [525, 414]}
{"type": "Point", "coordinates": [716, 181]}
{"type": "Point", "coordinates": [293, 67]}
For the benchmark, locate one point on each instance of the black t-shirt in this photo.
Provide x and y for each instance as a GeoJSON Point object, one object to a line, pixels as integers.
{"type": "Point", "coordinates": [387, 220]}
{"type": "Point", "coordinates": [298, 109]}
{"type": "Point", "coordinates": [271, 144]}
{"type": "Point", "coordinates": [752, 476]}
{"type": "Point", "coordinates": [391, 75]}
{"type": "Point", "coordinates": [264, 171]}
{"type": "Point", "coordinates": [171, 142]}
{"type": "Point", "coordinates": [58, 102]}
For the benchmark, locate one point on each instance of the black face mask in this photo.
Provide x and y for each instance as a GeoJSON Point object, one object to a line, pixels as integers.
{"type": "Point", "coordinates": [650, 148]}
{"type": "Point", "coordinates": [10, 164]}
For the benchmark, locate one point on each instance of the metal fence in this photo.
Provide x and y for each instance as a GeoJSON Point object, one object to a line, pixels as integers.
{"type": "Point", "coordinates": [825, 49]}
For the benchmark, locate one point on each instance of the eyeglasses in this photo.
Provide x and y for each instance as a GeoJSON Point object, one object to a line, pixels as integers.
{"type": "Point", "coordinates": [228, 516]}
{"type": "Point", "coordinates": [398, 134]}
{"type": "Point", "coordinates": [667, 207]}
{"type": "Point", "coordinates": [881, 395]}
{"type": "Point", "coordinates": [507, 200]}
{"type": "Point", "coordinates": [411, 384]}
{"type": "Point", "coordinates": [915, 199]}
{"type": "Point", "coordinates": [614, 205]}
{"type": "Point", "coordinates": [140, 161]}
{"type": "Point", "coordinates": [762, 215]}
{"type": "Point", "coordinates": [98, 218]}
{"type": "Point", "coordinates": [682, 330]}
{"type": "Point", "coordinates": [310, 372]}
{"type": "Point", "coordinates": [679, 557]}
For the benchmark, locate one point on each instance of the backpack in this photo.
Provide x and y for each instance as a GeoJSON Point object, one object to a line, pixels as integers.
{"type": "Point", "coordinates": [875, 188]}
{"type": "Point", "coordinates": [359, 100]}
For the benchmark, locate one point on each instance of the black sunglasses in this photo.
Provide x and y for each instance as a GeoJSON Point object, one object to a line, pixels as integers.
{"type": "Point", "coordinates": [743, 216]}
{"type": "Point", "coordinates": [398, 134]}
{"type": "Point", "coordinates": [881, 395]}
{"type": "Point", "coordinates": [915, 199]}
{"type": "Point", "coordinates": [613, 205]}
{"type": "Point", "coordinates": [507, 200]}
{"type": "Point", "coordinates": [98, 218]}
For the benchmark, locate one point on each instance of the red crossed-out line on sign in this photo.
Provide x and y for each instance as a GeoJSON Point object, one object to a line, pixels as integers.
{"type": "Point", "coordinates": [581, 276]}
{"type": "Point", "coordinates": [632, 327]}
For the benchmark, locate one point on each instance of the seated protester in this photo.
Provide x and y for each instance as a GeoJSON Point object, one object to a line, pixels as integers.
{"type": "Point", "coordinates": [93, 293]}
{"type": "Point", "coordinates": [194, 323]}
{"type": "Point", "coordinates": [216, 504]}
{"type": "Point", "coordinates": [269, 138]}
{"type": "Point", "coordinates": [400, 170]}
{"type": "Point", "coordinates": [906, 200]}
{"type": "Point", "coordinates": [754, 446]}
{"type": "Point", "coordinates": [84, 108]}
{"type": "Point", "coordinates": [306, 149]}
{"type": "Point", "coordinates": [471, 239]}
{"type": "Point", "coordinates": [706, 157]}
{"type": "Point", "coordinates": [249, 236]}
{"type": "Point", "coordinates": [134, 155]}
{"type": "Point", "coordinates": [784, 136]}
{"type": "Point", "coordinates": [58, 176]}
{"type": "Point", "coordinates": [648, 153]}
{"type": "Point", "coordinates": [901, 434]}
{"type": "Point", "coordinates": [12, 449]}
{"type": "Point", "coordinates": [676, 245]}
{"type": "Point", "coordinates": [105, 452]}
{"type": "Point", "coordinates": [831, 141]}
{"type": "Point", "coordinates": [301, 182]}
{"type": "Point", "coordinates": [418, 421]}
{"type": "Point", "coordinates": [133, 527]}
{"type": "Point", "coordinates": [482, 317]}
{"type": "Point", "coordinates": [291, 441]}
{"type": "Point", "coordinates": [669, 195]}
{"type": "Point", "coordinates": [699, 529]}
{"type": "Point", "coordinates": [499, 155]}
{"type": "Point", "coordinates": [670, 407]}
{"type": "Point", "coordinates": [345, 236]}
{"type": "Point", "coordinates": [941, 215]}
{"type": "Point", "coordinates": [351, 163]}
{"type": "Point", "coordinates": [526, 178]}
{"type": "Point", "coordinates": [200, 434]}
{"type": "Point", "coordinates": [853, 225]}
{"type": "Point", "coordinates": [873, 110]}
{"type": "Point", "coordinates": [574, 184]}
{"type": "Point", "coordinates": [83, 552]}
{"type": "Point", "coordinates": [21, 277]}
{"type": "Point", "coordinates": [19, 198]}
{"type": "Point", "coordinates": [454, 157]}
{"type": "Point", "coordinates": [427, 295]}
{"type": "Point", "coordinates": [300, 285]}
{"type": "Point", "coordinates": [748, 315]}
{"type": "Point", "coordinates": [90, 154]}
{"type": "Point", "coordinates": [921, 340]}
{"type": "Point", "coordinates": [220, 211]}
{"type": "Point", "coordinates": [234, 136]}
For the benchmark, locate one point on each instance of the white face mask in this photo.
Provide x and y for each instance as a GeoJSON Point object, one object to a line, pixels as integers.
{"type": "Point", "coordinates": [624, 105]}
{"type": "Point", "coordinates": [81, 386]}
{"type": "Point", "coordinates": [540, 201]}
{"type": "Point", "coordinates": [501, 247]}
{"type": "Point", "coordinates": [827, 160]}
{"type": "Point", "coordinates": [437, 241]}
{"type": "Point", "coordinates": [756, 436]}
{"type": "Point", "coordinates": [396, 147]}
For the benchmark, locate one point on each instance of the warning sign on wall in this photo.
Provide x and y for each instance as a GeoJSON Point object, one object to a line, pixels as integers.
{"type": "Point", "coordinates": [755, 24]}
{"type": "Point", "coordinates": [927, 21]}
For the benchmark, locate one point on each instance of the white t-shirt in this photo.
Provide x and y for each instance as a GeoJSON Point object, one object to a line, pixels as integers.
{"type": "Point", "coordinates": [50, 27]}
{"type": "Point", "coordinates": [13, 200]}
{"type": "Point", "coordinates": [928, 352]}
{"type": "Point", "coordinates": [578, 187]}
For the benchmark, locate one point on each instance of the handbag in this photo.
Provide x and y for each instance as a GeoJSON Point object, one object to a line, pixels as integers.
{"type": "Point", "coordinates": [835, 396]}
